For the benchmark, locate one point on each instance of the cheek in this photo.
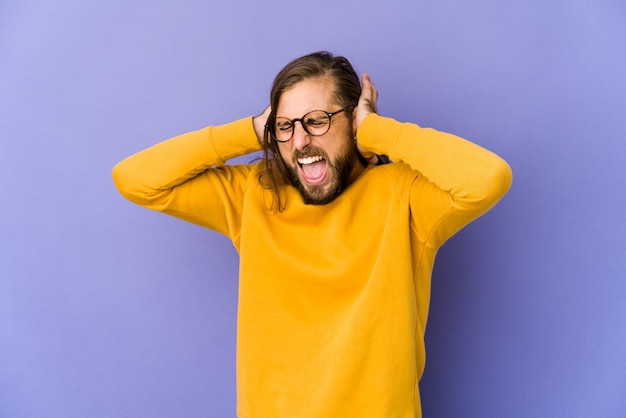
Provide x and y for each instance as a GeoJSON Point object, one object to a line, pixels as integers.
{"type": "Point", "coordinates": [284, 152]}
{"type": "Point", "coordinates": [341, 146]}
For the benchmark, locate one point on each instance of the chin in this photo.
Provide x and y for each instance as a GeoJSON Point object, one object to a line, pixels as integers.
{"type": "Point", "coordinates": [321, 194]}
{"type": "Point", "coordinates": [319, 197]}
{"type": "Point", "coordinates": [337, 180]}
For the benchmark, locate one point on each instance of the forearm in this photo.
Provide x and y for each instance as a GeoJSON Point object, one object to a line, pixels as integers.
{"type": "Point", "coordinates": [145, 176]}
{"type": "Point", "coordinates": [471, 174]}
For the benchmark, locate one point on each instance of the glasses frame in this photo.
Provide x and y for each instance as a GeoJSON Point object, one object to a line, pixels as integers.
{"type": "Point", "coordinates": [330, 115]}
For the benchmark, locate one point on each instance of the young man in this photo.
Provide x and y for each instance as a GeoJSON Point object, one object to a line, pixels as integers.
{"type": "Point", "coordinates": [336, 252]}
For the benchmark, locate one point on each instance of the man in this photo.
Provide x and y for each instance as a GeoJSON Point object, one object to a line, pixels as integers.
{"type": "Point", "coordinates": [336, 252]}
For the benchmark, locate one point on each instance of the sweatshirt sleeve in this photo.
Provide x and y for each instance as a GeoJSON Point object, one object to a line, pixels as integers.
{"type": "Point", "coordinates": [457, 180]}
{"type": "Point", "coordinates": [186, 176]}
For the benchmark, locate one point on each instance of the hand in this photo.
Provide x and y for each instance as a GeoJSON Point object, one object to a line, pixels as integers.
{"type": "Point", "coordinates": [259, 125]}
{"type": "Point", "coordinates": [367, 101]}
{"type": "Point", "coordinates": [366, 105]}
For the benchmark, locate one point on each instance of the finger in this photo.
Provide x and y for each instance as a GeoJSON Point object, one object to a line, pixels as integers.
{"type": "Point", "coordinates": [369, 93]}
{"type": "Point", "coordinates": [368, 84]}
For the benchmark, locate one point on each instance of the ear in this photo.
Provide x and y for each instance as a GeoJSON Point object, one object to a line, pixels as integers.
{"type": "Point", "coordinates": [354, 121]}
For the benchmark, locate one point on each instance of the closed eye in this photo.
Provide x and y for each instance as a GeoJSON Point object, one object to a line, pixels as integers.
{"type": "Point", "coordinates": [316, 123]}
{"type": "Point", "coordinates": [283, 126]}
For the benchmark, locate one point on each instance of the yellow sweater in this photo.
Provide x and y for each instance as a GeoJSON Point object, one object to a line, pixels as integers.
{"type": "Point", "coordinates": [333, 299]}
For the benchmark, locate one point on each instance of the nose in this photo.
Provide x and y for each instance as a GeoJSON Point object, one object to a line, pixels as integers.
{"type": "Point", "coordinates": [301, 139]}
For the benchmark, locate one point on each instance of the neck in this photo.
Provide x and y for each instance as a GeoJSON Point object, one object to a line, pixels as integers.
{"type": "Point", "coordinates": [359, 166]}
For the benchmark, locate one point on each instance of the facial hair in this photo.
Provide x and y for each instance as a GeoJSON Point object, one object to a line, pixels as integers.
{"type": "Point", "coordinates": [339, 170]}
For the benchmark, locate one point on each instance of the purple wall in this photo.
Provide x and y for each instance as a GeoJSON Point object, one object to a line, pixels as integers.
{"type": "Point", "coordinates": [109, 310]}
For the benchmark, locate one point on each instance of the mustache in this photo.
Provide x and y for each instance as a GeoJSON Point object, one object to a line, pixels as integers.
{"type": "Point", "coordinates": [309, 152]}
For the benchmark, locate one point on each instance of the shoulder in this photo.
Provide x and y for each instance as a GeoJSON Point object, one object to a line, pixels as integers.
{"type": "Point", "coordinates": [388, 181]}
{"type": "Point", "coordinates": [399, 175]}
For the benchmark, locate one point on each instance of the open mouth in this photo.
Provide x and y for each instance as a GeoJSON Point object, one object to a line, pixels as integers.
{"type": "Point", "coordinates": [313, 169]}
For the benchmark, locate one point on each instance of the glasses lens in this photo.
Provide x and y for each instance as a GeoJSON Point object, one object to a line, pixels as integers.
{"type": "Point", "coordinates": [317, 122]}
{"type": "Point", "coordinates": [283, 129]}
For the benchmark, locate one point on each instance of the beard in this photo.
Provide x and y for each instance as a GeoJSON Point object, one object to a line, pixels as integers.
{"type": "Point", "coordinates": [339, 173]}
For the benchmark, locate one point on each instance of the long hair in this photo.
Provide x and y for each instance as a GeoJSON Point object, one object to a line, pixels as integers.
{"type": "Point", "coordinates": [347, 90]}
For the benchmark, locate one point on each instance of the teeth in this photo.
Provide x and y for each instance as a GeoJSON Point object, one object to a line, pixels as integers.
{"type": "Point", "coordinates": [309, 160]}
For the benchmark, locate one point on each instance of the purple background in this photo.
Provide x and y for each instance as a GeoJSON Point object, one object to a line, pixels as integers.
{"type": "Point", "coordinates": [110, 310]}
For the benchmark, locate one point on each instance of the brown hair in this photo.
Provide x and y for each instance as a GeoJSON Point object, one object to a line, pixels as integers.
{"type": "Point", "coordinates": [274, 175]}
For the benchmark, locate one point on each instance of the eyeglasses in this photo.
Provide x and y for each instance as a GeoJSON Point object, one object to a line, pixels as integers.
{"type": "Point", "coordinates": [315, 123]}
